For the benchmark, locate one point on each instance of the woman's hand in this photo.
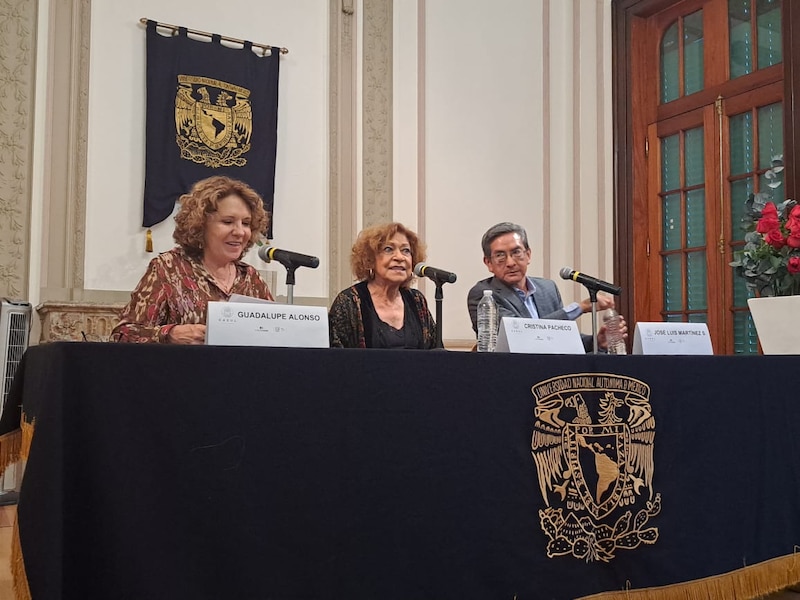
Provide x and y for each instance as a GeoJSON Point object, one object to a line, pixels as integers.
{"type": "Point", "coordinates": [187, 334]}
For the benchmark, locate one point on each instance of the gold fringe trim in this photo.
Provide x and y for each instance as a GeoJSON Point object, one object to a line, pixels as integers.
{"type": "Point", "coordinates": [16, 445]}
{"type": "Point", "coordinates": [27, 437]}
{"type": "Point", "coordinates": [148, 241]}
{"type": "Point", "coordinates": [747, 583]}
{"type": "Point", "coordinates": [21, 589]}
{"type": "Point", "coordinates": [10, 446]}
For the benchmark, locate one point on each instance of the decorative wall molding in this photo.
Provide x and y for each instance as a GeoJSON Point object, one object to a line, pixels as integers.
{"type": "Point", "coordinates": [67, 123]}
{"type": "Point", "coordinates": [342, 144]}
{"type": "Point", "coordinates": [78, 142]}
{"type": "Point", "coordinates": [377, 112]}
{"type": "Point", "coordinates": [17, 68]}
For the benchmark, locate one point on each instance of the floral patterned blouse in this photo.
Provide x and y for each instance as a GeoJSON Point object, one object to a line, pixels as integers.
{"type": "Point", "coordinates": [176, 290]}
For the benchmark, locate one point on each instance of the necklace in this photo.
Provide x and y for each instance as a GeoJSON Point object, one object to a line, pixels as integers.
{"type": "Point", "coordinates": [227, 283]}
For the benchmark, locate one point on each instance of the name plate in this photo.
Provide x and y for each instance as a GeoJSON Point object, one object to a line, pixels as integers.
{"type": "Point", "coordinates": [672, 338]}
{"type": "Point", "coordinates": [271, 324]}
{"type": "Point", "coordinates": [539, 336]}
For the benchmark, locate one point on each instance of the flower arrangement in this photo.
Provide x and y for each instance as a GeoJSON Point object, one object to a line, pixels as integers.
{"type": "Point", "coordinates": [770, 259]}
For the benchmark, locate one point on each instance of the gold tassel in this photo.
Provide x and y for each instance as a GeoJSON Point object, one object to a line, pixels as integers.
{"type": "Point", "coordinates": [148, 245]}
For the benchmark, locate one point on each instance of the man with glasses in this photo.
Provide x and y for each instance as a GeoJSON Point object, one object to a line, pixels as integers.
{"type": "Point", "coordinates": [507, 255]}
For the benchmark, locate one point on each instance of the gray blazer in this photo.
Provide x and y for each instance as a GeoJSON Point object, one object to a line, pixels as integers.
{"type": "Point", "coordinates": [546, 297]}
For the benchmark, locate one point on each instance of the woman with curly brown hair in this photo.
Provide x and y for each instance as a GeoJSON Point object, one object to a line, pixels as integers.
{"type": "Point", "coordinates": [382, 311]}
{"type": "Point", "coordinates": [218, 221]}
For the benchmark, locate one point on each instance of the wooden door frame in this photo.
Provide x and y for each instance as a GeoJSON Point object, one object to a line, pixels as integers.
{"type": "Point", "coordinates": [629, 150]}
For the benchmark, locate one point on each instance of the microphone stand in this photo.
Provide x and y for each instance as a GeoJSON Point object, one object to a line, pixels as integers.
{"type": "Point", "coordinates": [439, 297]}
{"type": "Point", "coordinates": [593, 299]}
{"type": "Point", "coordinates": [290, 269]}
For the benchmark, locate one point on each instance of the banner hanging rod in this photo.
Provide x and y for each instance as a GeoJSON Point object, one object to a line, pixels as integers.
{"type": "Point", "coordinates": [175, 29]}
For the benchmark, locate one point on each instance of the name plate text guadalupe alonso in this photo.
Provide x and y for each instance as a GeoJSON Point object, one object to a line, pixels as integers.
{"type": "Point", "coordinates": [539, 336]}
{"type": "Point", "coordinates": [259, 324]}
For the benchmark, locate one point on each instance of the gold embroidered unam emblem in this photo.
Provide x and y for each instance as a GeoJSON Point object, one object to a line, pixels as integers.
{"type": "Point", "coordinates": [213, 121]}
{"type": "Point", "coordinates": [593, 447]}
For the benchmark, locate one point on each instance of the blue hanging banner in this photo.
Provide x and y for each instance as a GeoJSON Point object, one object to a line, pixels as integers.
{"type": "Point", "coordinates": [211, 110]}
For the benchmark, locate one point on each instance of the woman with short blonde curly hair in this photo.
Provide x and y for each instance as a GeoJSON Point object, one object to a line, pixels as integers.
{"type": "Point", "coordinates": [218, 221]}
{"type": "Point", "coordinates": [382, 310]}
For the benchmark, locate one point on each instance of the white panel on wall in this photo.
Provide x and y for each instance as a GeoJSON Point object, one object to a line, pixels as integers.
{"type": "Point", "coordinates": [483, 135]}
{"type": "Point", "coordinates": [515, 126]}
{"type": "Point", "coordinates": [115, 256]}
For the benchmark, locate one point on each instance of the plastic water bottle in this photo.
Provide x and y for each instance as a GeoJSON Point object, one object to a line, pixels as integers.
{"type": "Point", "coordinates": [487, 323]}
{"type": "Point", "coordinates": [615, 343]}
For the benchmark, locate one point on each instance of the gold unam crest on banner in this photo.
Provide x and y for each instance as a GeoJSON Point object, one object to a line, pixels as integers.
{"type": "Point", "coordinates": [212, 131]}
{"type": "Point", "coordinates": [592, 443]}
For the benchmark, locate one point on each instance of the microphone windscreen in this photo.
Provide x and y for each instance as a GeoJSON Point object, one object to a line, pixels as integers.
{"type": "Point", "coordinates": [566, 273]}
{"type": "Point", "coordinates": [263, 253]}
{"type": "Point", "coordinates": [418, 269]}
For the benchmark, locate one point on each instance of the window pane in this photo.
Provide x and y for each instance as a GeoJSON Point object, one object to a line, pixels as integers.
{"type": "Point", "coordinates": [696, 296]}
{"type": "Point", "coordinates": [741, 44]}
{"type": "Point", "coordinates": [740, 192]}
{"type": "Point", "coordinates": [776, 192]}
{"type": "Point", "coordinates": [695, 218]}
{"type": "Point", "coordinates": [670, 163]}
{"type": "Point", "coordinates": [671, 209]}
{"type": "Point", "coordinates": [693, 153]}
{"type": "Point", "coordinates": [740, 292]}
{"type": "Point", "coordinates": [693, 53]}
{"type": "Point", "coordinates": [741, 132]}
{"type": "Point", "coordinates": [698, 318]}
{"type": "Point", "coordinates": [674, 319]}
{"type": "Point", "coordinates": [673, 283]}
{"type": "Point", "coordinates": [745, 340]}
{"type": "Point", "coordinates": [770, 134]}
{"type": "Point", "coordinates": [669, 64]}
{"type": "Point", "coordinates": [768, 17]}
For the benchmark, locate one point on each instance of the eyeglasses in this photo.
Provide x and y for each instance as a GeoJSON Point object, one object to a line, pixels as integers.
{"type": "Point", "coordinates": [500, 258]}
{"type": "Point", "coordinates": [389, 250]}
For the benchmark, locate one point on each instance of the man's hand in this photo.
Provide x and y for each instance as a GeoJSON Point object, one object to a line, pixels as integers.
{"type": "Point", "coordinates": [604, 301]}
{"type": "Point", "coordinates": [601, 333]}
{"type": "Point", "coordinates": [187, 334]}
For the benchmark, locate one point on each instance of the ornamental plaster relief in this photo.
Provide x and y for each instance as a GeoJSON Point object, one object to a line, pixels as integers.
{"type": "Point", "coordinates": [17, 42]}
{"type": "Point", "coordinates": [377, 112]}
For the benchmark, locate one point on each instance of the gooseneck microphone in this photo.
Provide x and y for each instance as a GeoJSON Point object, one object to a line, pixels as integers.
{"type": "Point", "coordinates": [438, 275]}
{"type": "Point", "coordinates": [287, 258]}
{"type": "Point", "coordinates": [589, 281]}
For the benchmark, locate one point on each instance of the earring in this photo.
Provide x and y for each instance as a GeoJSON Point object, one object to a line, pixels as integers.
{"type": "Point", "coordinates": [371, 274]}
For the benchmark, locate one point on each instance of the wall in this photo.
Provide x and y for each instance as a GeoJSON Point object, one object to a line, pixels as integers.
{"type": "Point", "coordinates": [512, 123]}
{"type": "Point", "coordinates": [115, 256]}
{"type": "Point", "coordinates": [470, 114]}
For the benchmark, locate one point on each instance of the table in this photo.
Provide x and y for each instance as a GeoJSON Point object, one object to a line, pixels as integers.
{"type": "Point", "coordinates": [210, 472]}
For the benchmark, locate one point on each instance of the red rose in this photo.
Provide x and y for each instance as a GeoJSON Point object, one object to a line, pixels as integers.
{"type": "Point", "coordinates": [767, 223]}
{"type": "Point", "coordinates": [775, 239]}
{"type": "Point", "coordinates": [793, 241]}
{"type": "Point", "coordinates": [793, 224]}
{"type": "Point", "coordinates": [769, 209]}
{"type": "Point", "coordinates": [795, 211]}
{"type": "Point", "coordinates": [793, 266]}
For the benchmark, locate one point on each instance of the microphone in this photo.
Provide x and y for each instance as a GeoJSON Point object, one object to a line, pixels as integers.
{"type": "Point", "coordinates": [438, 275]}
{"type": "Point", "coordinates": [590, 282]}
{"type": "Point", "coordinates": [287, 258]}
